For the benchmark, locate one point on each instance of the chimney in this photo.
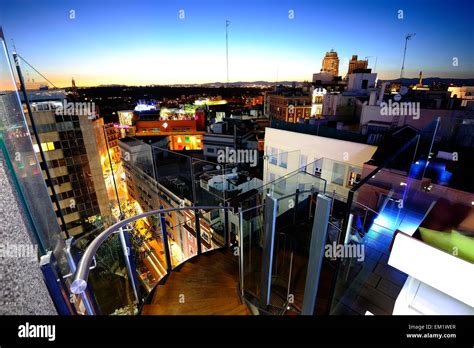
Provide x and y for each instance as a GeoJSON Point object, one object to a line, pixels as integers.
{"type": "Point", "coordinates": [373, 97]}
{"type": "Point", "coordinates": [382, 92]}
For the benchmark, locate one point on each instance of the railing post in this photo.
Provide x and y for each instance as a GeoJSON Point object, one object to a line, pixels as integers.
{"type": "Point", "coordinates": [227, 236]}
{"type": "Point", "coordinates": [89, 301]}
{"type": "Point", "coordinates": [348, 233]}
{"type": "Point", "coordinates": [57, 288]}
{"type": "Point", "coordinates": [271, 205]}
{"type": "Point", "coordinates": [241, 251]}
{"type": "Point", "coordinates": [127, 252]}
{"type": "Point", "coordinates": [165, 241]}
{"type": "Point", "coordinates": [197, 224]}
{"type": "Point", "coordinates": [295, 212]}
{"type": "Point", "coordinates": [316, 253]}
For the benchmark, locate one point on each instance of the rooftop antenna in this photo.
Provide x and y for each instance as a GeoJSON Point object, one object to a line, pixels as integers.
{"type": "Point", "coordinates": [227, 23]}
{"type": "Point", "coordinates": [375, 65]}
{"type": "Point", "coordinates": [407, 37]}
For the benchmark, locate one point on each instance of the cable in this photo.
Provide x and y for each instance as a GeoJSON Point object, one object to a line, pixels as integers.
{"type": "Point", "coordinates": [32, 67]}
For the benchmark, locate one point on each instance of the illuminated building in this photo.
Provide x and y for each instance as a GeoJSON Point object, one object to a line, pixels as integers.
{"type": "Point", "coordinates": [354, 64]}
{"type": "Point", "coordinates": [125, 117]}
{"type": "Point", "coordinates": [183, 134]}
{"type": "Point", "coordinates": [69, 144]}
{"type": "Point", "coordinates": [288, 106]}
{"type": "Point", "coordinates": [238, 132]}
{"type": "Point", "coordinates": [317, 102]}
{"type": "Point", "coordinates": [331, 63]}
{"type": "Point", "coordinates": [113, 135]}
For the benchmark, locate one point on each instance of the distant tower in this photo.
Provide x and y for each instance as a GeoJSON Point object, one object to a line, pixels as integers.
{"type": "Point", "coordinates": [74, 88]}
{"type": "Point", "coordinates": [331, 63]}
{"type": "Point", "coordinates": [354, 64]}
{"type": "Point", "coordinates": [420, 82]}
{"type": "Point", "coordinates": [227, 23]}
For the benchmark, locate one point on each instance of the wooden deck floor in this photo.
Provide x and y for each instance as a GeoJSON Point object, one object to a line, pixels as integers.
{"type": "Point", "coordinates": [206, 285]}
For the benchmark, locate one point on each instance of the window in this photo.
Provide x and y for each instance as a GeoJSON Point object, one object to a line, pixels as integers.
{"type": "Point", "coordinates": [303, 162]}
{"type": "Point", "coordinates": [284, 159]}
{"type": "Point", "coordinates": [365, 83]}
{"type": "Point", "coordinates": [45, 147]}
{"type": "Point", "coordinates": [354, 176]}
{"type": "Point", "coordinates": [272, 154]}
{"type": "Point", "coordinates": [338, 171]}
{"type": "Point", "coordinates": [214, 214]}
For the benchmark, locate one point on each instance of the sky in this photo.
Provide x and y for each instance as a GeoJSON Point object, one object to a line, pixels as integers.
{"type": "Point", "coordinates": [138, 42]}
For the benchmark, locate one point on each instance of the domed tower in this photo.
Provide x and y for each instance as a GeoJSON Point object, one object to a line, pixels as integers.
{"type": "Point", "coordinates": [331, 63]}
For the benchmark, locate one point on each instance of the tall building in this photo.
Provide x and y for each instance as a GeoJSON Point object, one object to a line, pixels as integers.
{"type": "Point", "coordinates": [70, 148]}
{"type": "Point", "coordinates": [355, 63]}
{"type": "Point", "coordinates": [331, 63]}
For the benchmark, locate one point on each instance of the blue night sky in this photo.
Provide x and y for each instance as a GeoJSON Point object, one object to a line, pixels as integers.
{"type": "Point", "coordinates": [145, 42]}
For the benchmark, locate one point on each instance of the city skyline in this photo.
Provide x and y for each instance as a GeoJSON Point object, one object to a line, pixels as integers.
{"type": "Point", "coordinates": [184, 43]}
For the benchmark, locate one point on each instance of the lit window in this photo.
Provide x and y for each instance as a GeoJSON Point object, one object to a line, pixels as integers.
{"type": "Point", "coordinates": [44, 146]}
{"type": "Point", "coordinates": [50, 146]}
{"type": "Point", "coordinates": [36, 148]}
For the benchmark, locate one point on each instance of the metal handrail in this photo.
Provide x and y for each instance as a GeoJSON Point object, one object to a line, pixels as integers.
{"type": "Point", "coordinates": [79, 284]}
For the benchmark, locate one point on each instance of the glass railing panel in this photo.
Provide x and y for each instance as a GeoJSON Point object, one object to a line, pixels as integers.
{"type": "Point", "coordinates": [146, 239]}
{"type": "Point", "coordinates": [340, 176]}
{"type": "Point", "coordinates": [69, 143]}
{"type": "Point", "coordinates": [251, 239]}
{"type": "Point", "coordinates": [291, 250]}
{"type": "Point", "coordinates": [174, 172]}
{"type": "Point", "coordinates": [393, 198]}
{"type": "Point", "coordinates": [212, 228]}
{"type": "Point", "coordinates": [109, 280]}
{"type": "Point", "coordinates": [278, 163]}
{"type": "Point", "coordinates": [17, 147]}
{"type": "Point", "coordinates": [182, 240]}
{"type": "Point", "coordinates": [211, 182]}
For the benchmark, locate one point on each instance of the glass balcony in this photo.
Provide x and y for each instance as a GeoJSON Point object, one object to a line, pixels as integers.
{"type": "Point", "coordinates": [400, 194]}
{"type": "Point", "coordinates": [119, 226]}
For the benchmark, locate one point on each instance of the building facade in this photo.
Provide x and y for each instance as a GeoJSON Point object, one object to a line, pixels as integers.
{"type": "Point", "coordinates": [72, 155]}
{"type": "Point", "coordinates": [331, 63]}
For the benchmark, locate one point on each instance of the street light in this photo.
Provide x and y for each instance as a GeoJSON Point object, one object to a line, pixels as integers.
{"type": "Point", "coordinates": [407, 37]}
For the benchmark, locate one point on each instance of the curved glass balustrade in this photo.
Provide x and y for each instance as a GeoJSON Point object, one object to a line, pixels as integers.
{"type": "Point", "coordinates": [123, 264]}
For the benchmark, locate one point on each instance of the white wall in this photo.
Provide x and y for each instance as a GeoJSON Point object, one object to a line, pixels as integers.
{"type": "Point", "coordinates": [316, 147]}
{"type": "Point", "coordinates": [354, 82]}
{"type": "Point", "coordinates": [313, 147]}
